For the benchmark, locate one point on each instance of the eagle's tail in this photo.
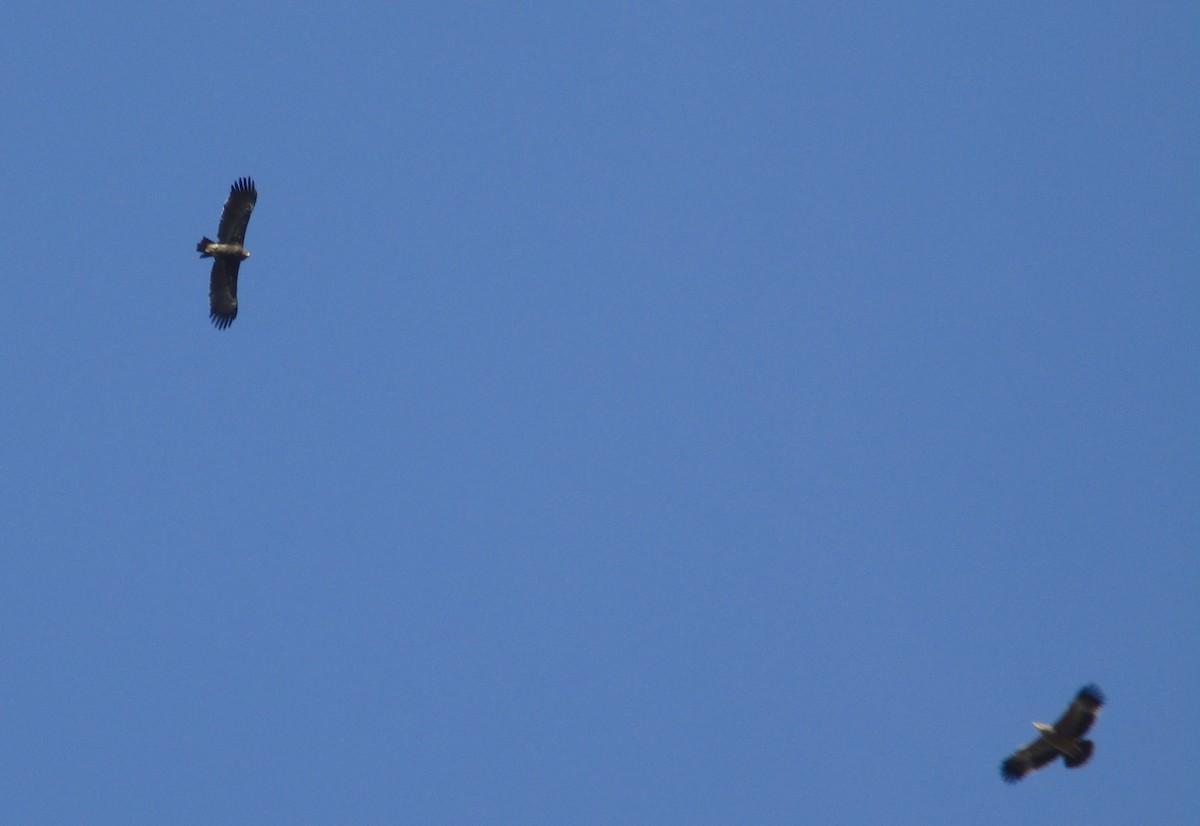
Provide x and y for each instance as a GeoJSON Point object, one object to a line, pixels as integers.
{"type": "Point", "coordinates": [1080, 754]}
{"type": "Point", "coordinates": [202, 248]}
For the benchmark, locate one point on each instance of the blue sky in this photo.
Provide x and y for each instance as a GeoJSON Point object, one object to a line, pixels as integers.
{"type": "Point", "coordinates": [636, 413]}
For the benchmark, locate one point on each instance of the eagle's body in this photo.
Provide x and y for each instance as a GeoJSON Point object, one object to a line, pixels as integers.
{"type": "Point", "coordinates": [228, 252]}
{"type": "Point", "coordinates": [1064, 738]}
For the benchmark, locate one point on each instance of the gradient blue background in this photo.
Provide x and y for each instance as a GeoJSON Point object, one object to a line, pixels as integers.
{"type": "Point", "coordinates": [657, 413]}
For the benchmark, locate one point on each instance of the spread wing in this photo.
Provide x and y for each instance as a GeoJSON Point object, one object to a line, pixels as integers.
{"type": "Point", "coordinates": [1032, 757]}
{"type": "Point", "coordinates": [222, 289]}
{"type": "Point", "coordinates": [236, 215]}
{"type": "Point", "coordinates": [1081, 713]}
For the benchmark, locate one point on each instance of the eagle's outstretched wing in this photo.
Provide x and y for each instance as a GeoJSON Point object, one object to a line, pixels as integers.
{"type": "Point", "coordinates": [236, 215]}
{"type": "Point", "coordinates": [1080, 715]}
{"type": "Point", "coordinates": [1032, 757]}
{"type": "Point", "coordinates": [222, 289]}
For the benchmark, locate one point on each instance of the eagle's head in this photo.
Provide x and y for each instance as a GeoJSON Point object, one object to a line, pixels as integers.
{"type": "Point", "coordinates": [1044, 728]}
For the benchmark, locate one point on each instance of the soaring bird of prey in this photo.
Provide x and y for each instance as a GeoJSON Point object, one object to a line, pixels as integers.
{"type": "Point", "coordinates": [228, 251]}
{"type": "Point", "coordinates": [1064, 737]}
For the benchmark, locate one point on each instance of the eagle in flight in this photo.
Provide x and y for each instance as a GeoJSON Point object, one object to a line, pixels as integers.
{"type": "Point", "coordinates": [228, 251]}
{"type": "Point", "coordinates": [1064, 737]}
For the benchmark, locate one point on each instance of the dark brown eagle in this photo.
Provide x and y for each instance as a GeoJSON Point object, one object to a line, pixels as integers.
{"type": "Point", "coordinates": [1064, 737]}
{"type": "Point", "coordinates": [228, 251]}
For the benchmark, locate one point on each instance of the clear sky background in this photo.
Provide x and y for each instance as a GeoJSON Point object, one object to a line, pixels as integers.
{"type": "Point", "coordinates": [648, 413]}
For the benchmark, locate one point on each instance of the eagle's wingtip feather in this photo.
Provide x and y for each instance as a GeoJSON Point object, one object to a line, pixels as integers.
{"type": "Point", "coordinates": [1092, 694]}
